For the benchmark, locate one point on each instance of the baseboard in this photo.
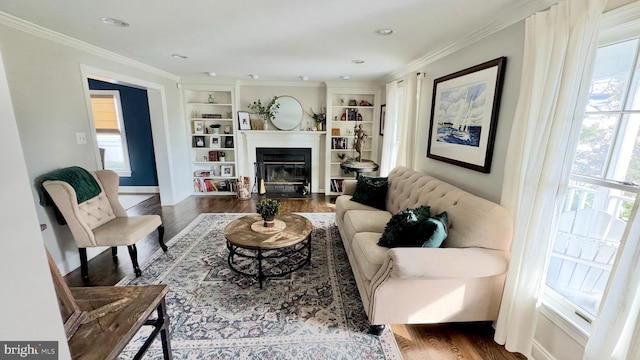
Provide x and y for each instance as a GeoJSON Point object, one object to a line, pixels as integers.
{"type": "Point", "coordinates": [138, 189]}
{"type": "Point", "coordinates": [538, 352]}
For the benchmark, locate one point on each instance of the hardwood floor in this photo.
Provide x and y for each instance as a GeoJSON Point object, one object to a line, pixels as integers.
{"type": "Point", "coordinates": [459, 341]}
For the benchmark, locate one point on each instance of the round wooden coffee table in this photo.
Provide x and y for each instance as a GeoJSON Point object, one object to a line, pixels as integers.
{"type": "Point", "coordinates": [293, 240]}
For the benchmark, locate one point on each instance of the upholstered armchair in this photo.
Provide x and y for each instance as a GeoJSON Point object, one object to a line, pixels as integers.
{"type": "Point", "coordinates": [101, 220]}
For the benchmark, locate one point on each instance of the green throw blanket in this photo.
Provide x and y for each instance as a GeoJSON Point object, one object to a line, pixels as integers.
{"type": "Point", "coordinates": [81, 180]}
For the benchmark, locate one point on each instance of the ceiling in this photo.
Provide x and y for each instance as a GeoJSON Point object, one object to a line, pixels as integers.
{"type": "Point", "coordinates": [276, 39]}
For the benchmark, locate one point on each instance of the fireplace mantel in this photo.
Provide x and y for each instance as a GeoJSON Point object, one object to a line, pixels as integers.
{"type": "Point", "coordinates": [288, 139]}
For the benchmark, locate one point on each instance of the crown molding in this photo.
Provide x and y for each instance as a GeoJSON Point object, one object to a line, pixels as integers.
{"type": "Point", "coordinates": [37, 30]}
{"type": "Point", "coordinates": [507, 18]}
{"type": "Point", "coordinates": [298, 83]}
{"type": "Point", "coordinates": [625, 19]}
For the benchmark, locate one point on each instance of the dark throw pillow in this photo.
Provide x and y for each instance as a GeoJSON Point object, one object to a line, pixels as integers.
{"type": "Point", "coordinates": [371, 191]}
{"type": "Point", "coordinates": [440, 232]}
{"type": "Point", "coordinates": [408, 228]}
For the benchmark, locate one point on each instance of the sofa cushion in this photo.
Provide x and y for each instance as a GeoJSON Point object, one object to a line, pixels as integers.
{"type": "Point", "coordinates": [371, 191]}
{"type": "Point", "coordinates": [439, 232]}
{"type": "Point", "coordinates": [357, 221]}
{"type": "Point", "coordinates": [344, 204]}
{"type": "Point", "coordinates": [408, 228]}
{"type": "Point", "coordinates": [368, 255]}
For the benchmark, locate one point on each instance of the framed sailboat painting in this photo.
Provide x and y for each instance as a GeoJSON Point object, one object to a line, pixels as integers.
{"type": "Point", "coordinates": [464, 115]}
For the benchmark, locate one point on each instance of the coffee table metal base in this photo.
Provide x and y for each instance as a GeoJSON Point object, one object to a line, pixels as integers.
{"type": "Point", "coordinates": [258, 254]}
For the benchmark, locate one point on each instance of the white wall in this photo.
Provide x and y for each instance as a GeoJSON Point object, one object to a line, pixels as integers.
{"type": "Point", "coordinates": [507, 42]}
{"type": "Point", "coordinates": [47, 91]}
{"type": "Point", "coordinates": [28, 307]}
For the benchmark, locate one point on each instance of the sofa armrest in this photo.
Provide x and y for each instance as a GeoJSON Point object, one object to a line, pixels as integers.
{"type": "Point", "coordinates": [349, 187]}
{"type": "Point", "coordinates": [447, 263]}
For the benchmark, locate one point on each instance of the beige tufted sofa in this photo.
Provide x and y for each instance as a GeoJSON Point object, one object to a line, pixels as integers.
{"type": "Point", "coordinates": [461, 281]}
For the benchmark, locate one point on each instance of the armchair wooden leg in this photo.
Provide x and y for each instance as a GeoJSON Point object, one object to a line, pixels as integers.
{"type": "Point", "coordinates": [114, 253]}
{"type": "Point", "coordinates": [161, 238]}
{"type": "Point", "coordinates": [84, 265]}
{"type": "Point", "coordinates": [376, 329]}
{"type": "Point", "coordinates": [133, 252]}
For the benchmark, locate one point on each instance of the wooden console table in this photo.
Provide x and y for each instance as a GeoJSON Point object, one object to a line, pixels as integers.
{"type": "Point", "coordinates": [114, 314]}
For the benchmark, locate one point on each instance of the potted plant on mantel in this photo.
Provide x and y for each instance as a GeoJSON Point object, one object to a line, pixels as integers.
{"type": "Point", "coordinates": [320, 119]}
{"type": "Point", "coordinates": [267, 112]}
{"type": "Point", "coordinates": [268, 209]}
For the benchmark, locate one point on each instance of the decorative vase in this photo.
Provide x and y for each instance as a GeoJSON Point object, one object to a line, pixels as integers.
{"type": "Point", "coordinates": [216, 130]}
{"type": "Point", "coordinates": [270, 222]}
{"type": "Point", "coordinates": [210, 99]}
{"type": "Point", "coordinates": [319, 126]}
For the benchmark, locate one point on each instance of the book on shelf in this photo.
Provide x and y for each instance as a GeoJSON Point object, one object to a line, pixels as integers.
{"type": "Point", "coordinates": [204, 185]}
{"type": "Point", "coordinates": [213, 156]}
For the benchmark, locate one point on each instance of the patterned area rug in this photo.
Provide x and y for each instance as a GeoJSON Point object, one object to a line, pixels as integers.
{"type": "Point", "coordinates": [215, 313]}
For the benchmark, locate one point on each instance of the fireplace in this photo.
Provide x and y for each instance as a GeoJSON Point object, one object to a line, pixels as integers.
{"type": "Point", "coordinates": [286, 171]}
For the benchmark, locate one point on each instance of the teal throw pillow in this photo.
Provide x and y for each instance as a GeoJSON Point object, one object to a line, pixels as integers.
{"type": "Point", "coordinates": [440, 232]}
{"type": "Point", "coordinates": [408, 228]}
{"type": "Point", "coordinates": [371, 191]}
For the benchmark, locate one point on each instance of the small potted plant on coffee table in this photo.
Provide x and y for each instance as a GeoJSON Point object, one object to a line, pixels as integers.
{"type": "Point", "coordinates": [268, 209]}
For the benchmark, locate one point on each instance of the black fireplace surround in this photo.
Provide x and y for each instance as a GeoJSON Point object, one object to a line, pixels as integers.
{"type": "Point", "coordinates": [286, 171]}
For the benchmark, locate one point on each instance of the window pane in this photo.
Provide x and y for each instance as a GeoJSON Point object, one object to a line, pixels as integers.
{"type": "Point", "coordinates": [113, 152]}
{"type": "Point", "coordinates": [593, 147]}
{"type": "Point", "coordinates": [611, 74]}
{"type": "Point", "coordinates": [590, 227]}
{"type": "Point", "coordinates": [629, 160]}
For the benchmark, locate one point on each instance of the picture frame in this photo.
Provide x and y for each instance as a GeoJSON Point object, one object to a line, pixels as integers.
{"type": "Point", "coordinates": [228, 141]}
{"type": "Point", "coordinates": [383, 118]}
{"type": "Point", "coordinates": [244, 120]}
{"type": "Point", "coordinates": [198, 127]}
{"type": "Point", "coordinates": [464, 115]}
{"type": "Point", "coordinates": [226, 170]}
{"type": "Point", "coordinates": [198, 142]}
{"type": "Point", "coordinates": [339, 143]}
{"type": "Point", "coordinates": [335, 131]}
{"type": "Point", "coordinates": [214, 142]}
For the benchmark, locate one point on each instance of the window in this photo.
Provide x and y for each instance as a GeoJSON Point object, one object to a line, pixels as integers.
{"type": "Point", "coordinates": [602, 187]}
{"type": "Point", "coordinates": [110, 134]}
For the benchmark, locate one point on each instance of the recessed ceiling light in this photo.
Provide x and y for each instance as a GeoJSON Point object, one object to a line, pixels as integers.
{"type": "Point", "coordinates": [211, 73]}
{"type": "Point", "coordinates": [345, 77]}
{"type": "Point", "coordinates": [178, 56]}
{"type": "Point", "coordinates": [254, 76]}
{"type": "Point", "coordinates": [384, 32]}
{"type": "Point", "coordinates": [114, 22]}
{"type": "Point", "coordinates": [304, 78]}
{"type": "Point", "coordinates": [358, 61]}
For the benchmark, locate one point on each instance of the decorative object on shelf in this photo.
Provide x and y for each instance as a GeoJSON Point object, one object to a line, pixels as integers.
{"type": "Point", "coordinates": [213, 156]}
{"type": "Point", "coordinates": [268, 209]}
{"type": "Point", "coordinates": [215, 128]}
{"type": "Point", "coordinates": [228, 141]}
{"type": "Point", "coordinates": [335, 131]}
{"type": "Point", "coordinates": [353, 102]}
{"type": "Point", "coordinates": [198, 127]}
{"type": "Point", "coordinates": [365, 103]}
{"type": "Point", "coordinates": [244, 120]}
{"type": "Point", "coordinates": [342, 156]}
{"type": "Point", "coordinates": [383, 117]}
{"type": "Point", "coordinates": [226, 170]}
{"type": "Point", "coordinates": [267, 112]}
{"type": "Point", "coordinates": [319, 118]}
{"type": "Point", "coordinates": [462, 130]}
{"type": "Point", "coordinates": [210, 100]}
{"type": "Point", "coordinates": [198, 141]}
{"type": "Point", "coordinates": [215, 142]}
{"type": "Point", "coordinates": [229, 114]}
{"type": "Point", "coordinates": [360, 138]}
{"type": "Point", "coordinates": [227, 129]}
{"type": "Point", "coordinates": [221, 156]}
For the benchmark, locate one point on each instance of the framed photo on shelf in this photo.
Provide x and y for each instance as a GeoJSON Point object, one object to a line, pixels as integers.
{"type": "Point", "coordinates": [198, 141]}
{"type": "Point", "coordinates": [198, 127]}
{"type": "Point", "coordinates": [226, 170]}
{"type": "Point", "coordinates": [244, 122]}
{"type": "Point", "coordinates": [464, 115]}
{"type": "Point", "coordinates": [228, 141]}
{"type": "Point", "coordinates": [214, 142]}
{"type": "Point", "coordinates": [339, 143]}
{"type": "Point", "coordinates": [383, 117]}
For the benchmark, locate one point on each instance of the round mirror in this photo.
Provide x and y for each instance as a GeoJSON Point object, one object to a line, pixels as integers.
{"type": "Point", "coordinates": [289, 114]}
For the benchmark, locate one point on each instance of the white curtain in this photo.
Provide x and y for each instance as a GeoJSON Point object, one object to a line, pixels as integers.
{"type": "Point", "coordinates": [616, 332]}
{"type": "Point", "coordinates": [398, 143]}
{"type": "Point", "coordinates": [560, 45]}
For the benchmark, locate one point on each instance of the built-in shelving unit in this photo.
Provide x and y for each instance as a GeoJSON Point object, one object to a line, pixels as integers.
{"type": "Point", "coordinates": [209, 111]}
{"type": "Point", "coordinates": [347, 110]}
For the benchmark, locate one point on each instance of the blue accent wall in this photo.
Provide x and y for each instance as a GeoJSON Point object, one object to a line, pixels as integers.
{"type": "Point", "coordinates": [137, 125]}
